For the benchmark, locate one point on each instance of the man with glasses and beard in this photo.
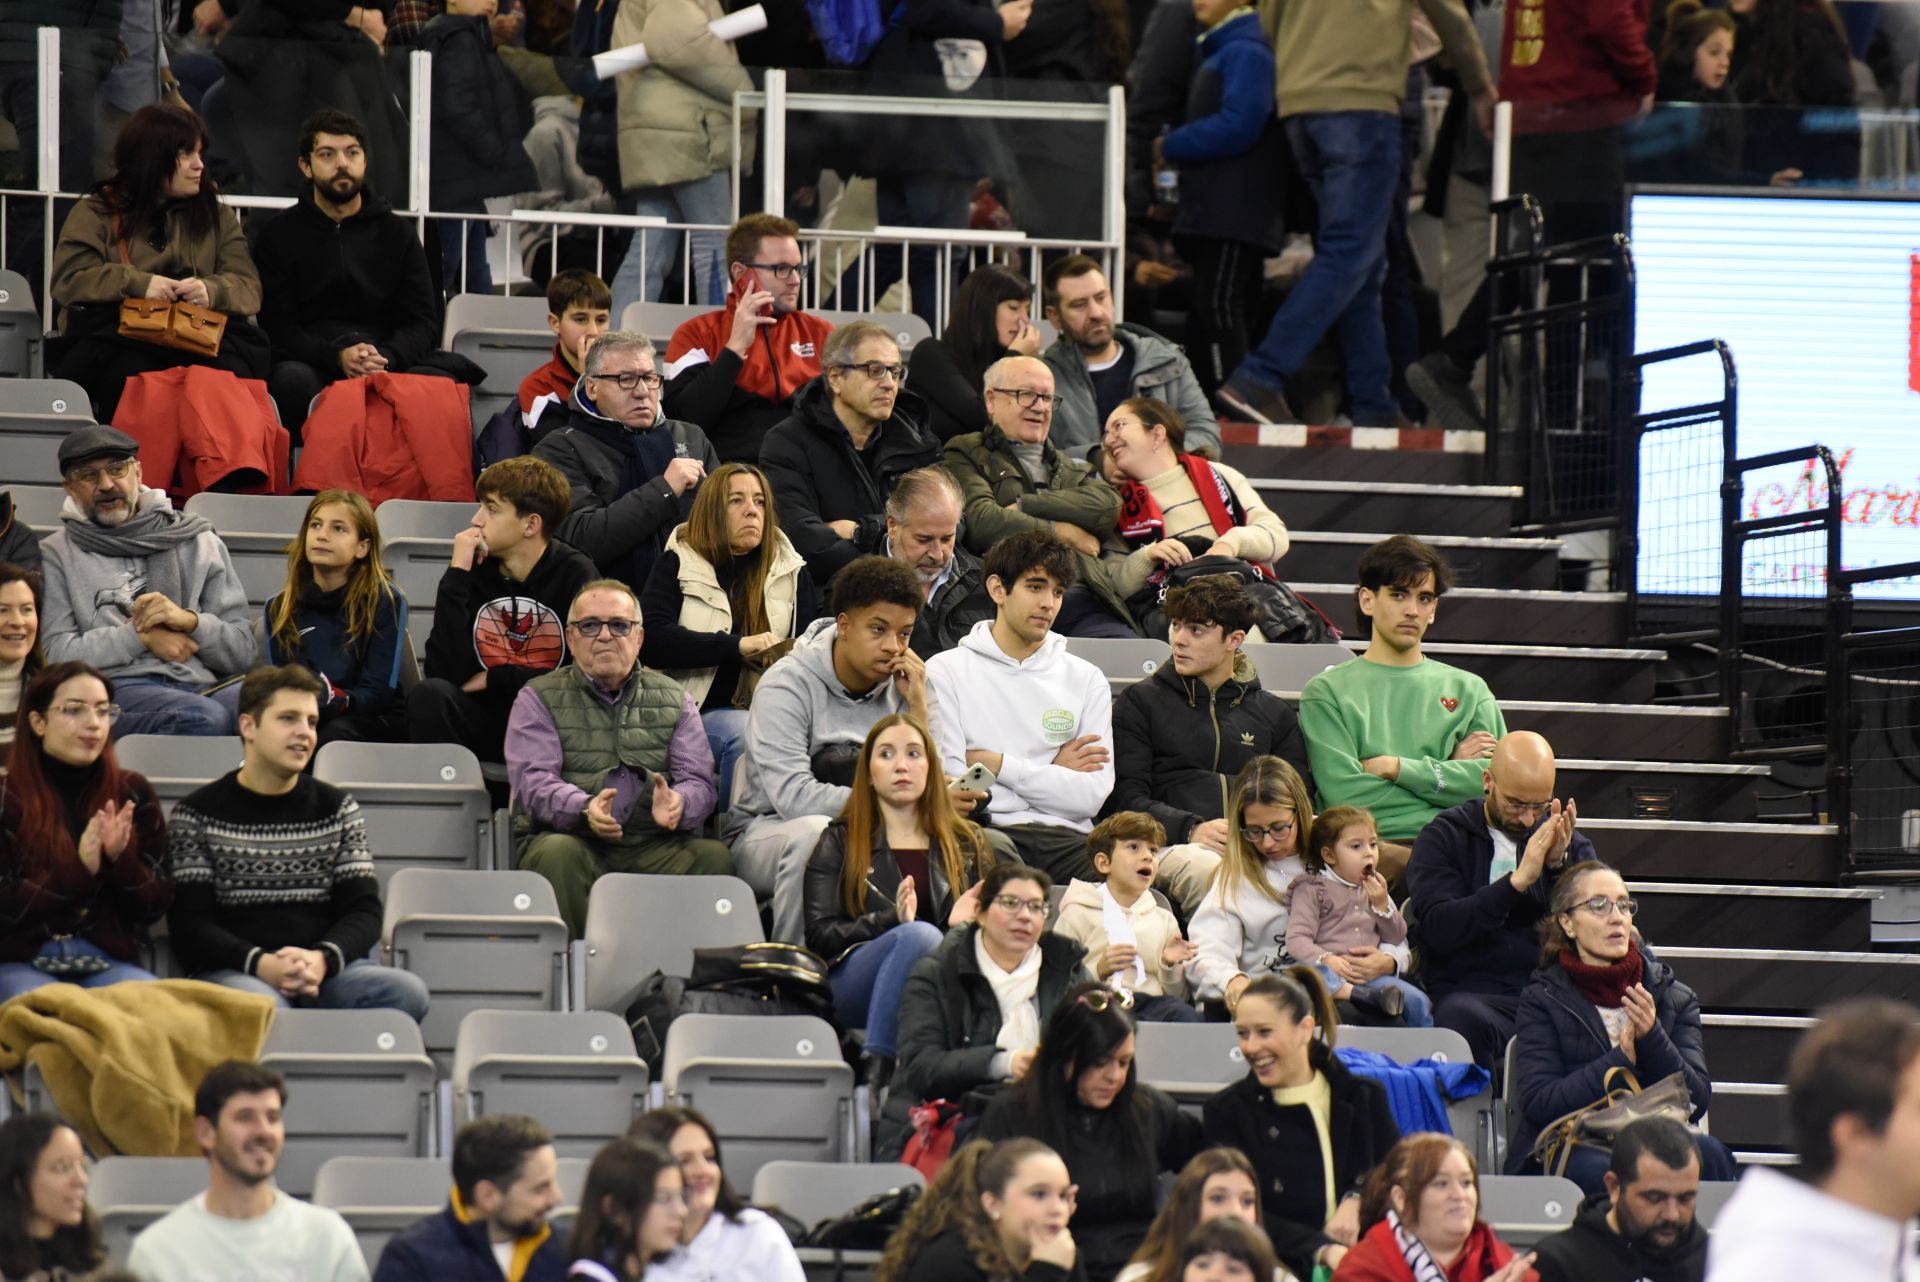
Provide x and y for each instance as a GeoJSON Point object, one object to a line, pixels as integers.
{"type": "Point", "coordinates": [142, 592]}
{"type": "Point", "coordinates": [346, 290]}
{"type": "Point", "coordinates": [1479, 879]}
{"type": "Point", "coordinates": [243, 1228]}
{"type": "Point", "coordinates": [494, 1228]}
{"type": "Point", "coordinates": [1641, 1229]}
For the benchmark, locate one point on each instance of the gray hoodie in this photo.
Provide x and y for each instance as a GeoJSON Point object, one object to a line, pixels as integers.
{"type": "Point", "coordinates": [89, 603]}
{"type": "Point", "coordinates": [799, 707]}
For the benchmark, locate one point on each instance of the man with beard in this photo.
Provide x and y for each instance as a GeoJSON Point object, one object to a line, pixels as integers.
{"type": "Point", "coordinates": [1479, 879]}
{"type": "Point", "coordinates": [346, 290]}
{"type": "Point", "coordinates": [243, 1228]}
{"type": "Point", "coordinates": [274, 890]}
{"type": "Point", "coordinates": [1099, 362]}
{"type": "Point", "coordinates": [923, 534]}
{"type": "Point", "coordinates": [1642, 1228]}
{"type": "Point", "coordinates": [494, 1229]}
{"type": "Point", "coordinates": [144, 593]}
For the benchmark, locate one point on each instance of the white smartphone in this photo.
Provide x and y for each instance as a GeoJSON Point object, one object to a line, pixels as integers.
{"type": "Point", "coordinates": [977, 779]}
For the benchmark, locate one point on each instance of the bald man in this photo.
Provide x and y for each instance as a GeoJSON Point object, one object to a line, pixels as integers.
{"type": "Point", "coordinates": [1479, 880]}
{"type": "Point", "coordinates": [1015, 480]}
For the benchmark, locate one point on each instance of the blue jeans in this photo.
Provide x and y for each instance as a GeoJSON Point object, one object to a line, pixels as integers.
{"type": "Point", "coordinates": [868, 984]}
{"type": "Point", "coordinates": [727, 736]}
{"type": "Point", "coordinates": [20, 977]}
{"type": "Point", "coordinates": [363, 985]}
{"type": "Point", "coordinates": [154, 705]}
{"type": "Point", "coordinates": [1419, 1012]}
{"type": "Point", "coordinates": [704, 200]}
{"type": "Point", "coordinates": [1351, 160]}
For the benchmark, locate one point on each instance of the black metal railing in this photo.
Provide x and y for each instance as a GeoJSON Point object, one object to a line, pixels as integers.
{"type": "Point", "coordinates": [1873, 728]}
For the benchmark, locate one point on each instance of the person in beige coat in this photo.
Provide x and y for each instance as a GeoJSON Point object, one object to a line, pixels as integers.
{"type": "Point", "coordinates": [1147, 956]}
{"type": "Point", "coordinates": [155, 229]}
{"type": "Point", "coordinates": [676, 143]}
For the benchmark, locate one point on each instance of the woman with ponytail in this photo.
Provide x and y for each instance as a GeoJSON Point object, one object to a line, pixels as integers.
{"type": "Point", "coordinates": [996, 1213]}
{"type": "Point", "coordinates": [1602, 1001]}
{"type": "Point", "coordinates": [1312, 1129]}
{"type": "Point", "coordinates": [83, 845]}
{"type": "Point", "coordinates": [1421, 1210]}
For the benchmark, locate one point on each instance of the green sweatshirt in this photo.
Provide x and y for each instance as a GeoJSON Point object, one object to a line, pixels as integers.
{"type": "Point", "coordinates": [1352, 55]}
{"type": "Point", "coordinates": [1363, 709]}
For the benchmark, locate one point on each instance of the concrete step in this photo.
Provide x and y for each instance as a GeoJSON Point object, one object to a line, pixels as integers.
{"type": "Point", "coordinates": [1705, 792]}
{"type": "Point", "coordinates": [1755, 1048]}
{"type": "Point", "coordinates": [1719, 853]}
{"type": "Point", "coordinates": [1749, 1115]}
{"type": "Point", "coordinates": [1424, 509]}
{"type": "Point", "coordinates": [1637, 731]}
{"type": "Point", "coordinates": [1358, 467]}
{"type": "Point", "coordinates": [1741, 916]}
{"type": "Point", "coordinates": [1319, 556]}
{"type": "Point", "coordinates": [1587, 673]}
{"type": "Point", "coordinates": [1497, 615]}
{"type": "Point", "coordinates": [1791, 981]}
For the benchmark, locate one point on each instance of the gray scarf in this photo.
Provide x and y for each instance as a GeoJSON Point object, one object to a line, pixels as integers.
{"type": "Point", "coordinates": [154, 529]}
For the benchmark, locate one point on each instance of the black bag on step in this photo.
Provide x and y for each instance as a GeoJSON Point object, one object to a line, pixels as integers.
{"type": "Point", "coordinates": [747, 979]}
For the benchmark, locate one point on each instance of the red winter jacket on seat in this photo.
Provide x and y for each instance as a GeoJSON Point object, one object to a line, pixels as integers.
{"type": "Point", "coordinates": [390, 436]}
{"type": "Point", "coordinates": [198, 425]}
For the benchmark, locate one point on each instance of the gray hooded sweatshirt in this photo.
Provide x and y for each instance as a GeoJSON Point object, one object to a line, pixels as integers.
{"type": "Point", "coordinates": [89, 605]}
{"type": "Point", "coordinates": [799, 707]}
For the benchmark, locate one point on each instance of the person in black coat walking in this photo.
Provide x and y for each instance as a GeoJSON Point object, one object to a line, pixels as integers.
{"type": "Point", "coordinates": [854, 431]}
{"type": "Point", "coordinates": [997, 1213]}
{"type": "Point", "coordinates": [1116, 1135]}
{"type": "Point", "coordinates": [1296, 1102]}
{"type": "Point", "coordinates": [1601, 1002]}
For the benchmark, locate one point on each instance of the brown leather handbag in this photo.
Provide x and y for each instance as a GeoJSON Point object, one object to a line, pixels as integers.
{"type": "Point", "coordinates": [183, 327]}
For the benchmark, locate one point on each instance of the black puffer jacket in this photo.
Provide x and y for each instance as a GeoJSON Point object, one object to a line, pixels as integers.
{"type": "Point", "coordinates": [817, 477]}
{"type": "Point", "coordinates": [480, 114]}
{"type": "Point", "coordinates": [1178, 745]}
{"type": "Point", "coordinates": [19, 545]}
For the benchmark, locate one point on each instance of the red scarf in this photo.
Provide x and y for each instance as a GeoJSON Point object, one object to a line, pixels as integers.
{"type": "Point", "coordinates": [1141, 521]}
{"type": "Point", "coordinates": [1604, 986]}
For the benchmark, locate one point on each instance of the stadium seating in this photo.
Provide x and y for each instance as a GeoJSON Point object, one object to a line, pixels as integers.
{"type": "Point", "coordinates": [35, 414]}
{"type": "Point", "coordinates": [657, 321]}
{"type": "Point", "coordinates": [178, 764]}
{"type": "Point", "coordinates": [814, 1192]}
{"type": "Point", "coordinates": [774, 1086]}
{"type": "Point", "coordinates": [425, 805]}
{"type": "Point", "coordinates": [1284, 669]}
{"type": "Point", "coordinates": [129, 1193]}
{"type": "Point", "coordinates": [39, 506]}
{"type": "Point", "coordinates": [576, 1071]}
{"type": "Point", "coordinates": [381, 1196]}
{"type": "Point", "coordinates": [637, 924]}
{"type": "Point", "coordinates": [20, 341]}
{"type": "Point", "coordinates": [257, 529]}
{"type": "Point", "coordinates": [416, 542]}
{"type": "Point", "coordinates": [1525, 1208]}
{"type": "Point", "coordinates": [1122, 660]}
{"type": "Point", "coordinates": [1188, 1061]}
{"type": "Point", "coordinates": [907, 328]}
{"type": "Point", "coordinates": [507, 337]}
{"type": "Point", "coordinates": [1471, 1118]}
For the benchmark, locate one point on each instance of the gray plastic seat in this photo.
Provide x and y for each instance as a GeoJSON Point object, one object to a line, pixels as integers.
{"type": "Point", "coordinates": [480, 940]}
{"type": "Point", "coordinates": [1471, 1118]}
{"type": "Point", "coordinates": [639, 923]}
{"type": "Point", "coordinates": [379, 1197]}
{"type": "Point", "coordinates": [416, 542]}
{"type": "Point", "coordinates": [130, 1193]}
{"type": "Point", "coordinates": [38, 506]}
{"type": "Point", "coordinates": [35, 416]}
{"type": "Point", "coordinates": [576, 1071]}
{"type": "Point", "coordinates": [507, 337]}
{"type": "Point", "coordinates": [907, 328]}
{"type": "Point", "coordinates": [1525, 1208]}
{"type": "Point", "coordinates": [1712, 1200]}
{"type": "Point", "coordinates": [775, 1086]}
{"type": "Point", "coordinates": [1286, 669]}
{"type": "Point", "coordinates": [359, 1084]}
{"type": "Point", "coordinates": [1190, 1062]}
{"type": "Point", "coordinates": [1124, 661]}
{"type": "Point", "coordinates": [256, 529]}
{"type": "Point", "coordinates": [813, 1191]}
{"type": "Point", "coordinates": [177, 764]}
{"type": "Point", "coordinates": [426, 805]}
{"type": "Point", "coordinates": [658, 321]}
{"type": "Point", "coordinates": [572, 1179]}
{"type": "Point", "coordinates": [21, 332]}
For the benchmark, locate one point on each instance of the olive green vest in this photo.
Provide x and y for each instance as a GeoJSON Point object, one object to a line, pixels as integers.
{"type": "Point", "coordinates": [596, 737]}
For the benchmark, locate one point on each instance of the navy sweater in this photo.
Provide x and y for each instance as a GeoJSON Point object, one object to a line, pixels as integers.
{"type": "Point", "coordinates": [367, 676]}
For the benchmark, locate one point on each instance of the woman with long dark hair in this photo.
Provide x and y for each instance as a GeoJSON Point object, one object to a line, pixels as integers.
{"type": "Point", "coordinates": [724, 600]}
{"type": "Point", "coordinates": [155, 229]}
{"type": "Point", "coordinates": [632, 1210]}
{"type": "Point", "coordinates": [20, 654]}
{"type": "Point", "coordinates": [83, 846]}
{"type": "Point", "coordinates": [1791, 55]}
{"type": "Point", "coordinates": [1217, 1183]}
{"type": "Point", "coordinates": [47, 1230]}
{"type": "Point", "coordinates": [722, 1235]}
{"type": "Point", "coordinates": [996, 1213]}
{"type": "Point", "coordinates": [991, 318]}
{"type": "Point", "coordinates": [1115, 1133]}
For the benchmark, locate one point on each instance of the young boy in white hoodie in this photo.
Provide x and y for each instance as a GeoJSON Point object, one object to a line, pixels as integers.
{"type": "Point", "coordinates": [1133, 943]}
{"type": "Point", "coordinates": [1012, 699]}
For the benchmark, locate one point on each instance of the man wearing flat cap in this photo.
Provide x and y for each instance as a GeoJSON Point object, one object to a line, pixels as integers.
{"type": "Point", "coordinates": [142, 592]}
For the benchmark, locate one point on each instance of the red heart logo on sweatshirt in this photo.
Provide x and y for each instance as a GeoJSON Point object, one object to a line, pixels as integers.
{"type": "Point", "coordinates": [1451, 705]}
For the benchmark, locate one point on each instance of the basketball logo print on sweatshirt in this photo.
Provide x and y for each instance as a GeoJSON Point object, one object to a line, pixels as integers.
{"type": "Point", "coordinates": [518, 631]}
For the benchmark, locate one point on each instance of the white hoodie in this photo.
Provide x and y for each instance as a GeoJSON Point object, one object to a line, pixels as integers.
{"type": "Point", "coordinates": [1024, 711]}
{"type": "Point", "coordinates": [1779, 1229]}
{"type": "Point", "coordinates": [1249, 935]}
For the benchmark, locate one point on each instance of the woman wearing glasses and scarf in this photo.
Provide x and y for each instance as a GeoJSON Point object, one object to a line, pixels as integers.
{"type": "Point", "coordinates": [1601, 1000]}
{"type": "Point", "coordinates": [970, 1019]}
{"type": "Point", "coordinates": [1115, 1134]}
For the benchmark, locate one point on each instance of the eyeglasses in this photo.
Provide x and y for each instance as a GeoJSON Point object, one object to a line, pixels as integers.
{"type": "Point", "coordinates": [877, 370]}
{"type": "Point", "coordinates": [670, 1197]}
{"type": "Point", "coordinates": [781, 271]}
{"type": "Point", "coordinates": [1102, 999]}
{"type": "Point", "coordinates": [1523, 807]}
{"type": "Point", "coordinates": [1599, 905]}
{"type": "Point", "coordinates": [90, 478]}
{"type": "Point", "coordinates": [1279, 832]}
{"type": "Point", "coordinates": [75, 710]}
{"type": "Point", "coordinates": [1027, 398]}
{"type": "Point", "coordinates": [631, 379]}
{"type": "Point", "coordinates": [590, 628]}
{"type": "Point", "coordinates": [1013, 906]}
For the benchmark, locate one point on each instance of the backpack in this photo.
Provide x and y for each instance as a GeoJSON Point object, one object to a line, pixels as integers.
{"type": "Point", "coordinates": [1283, 616]}
{"type": "Point", "coordinates": [850, 30]}
{"type": "Point", "coordinates": [747, 979]}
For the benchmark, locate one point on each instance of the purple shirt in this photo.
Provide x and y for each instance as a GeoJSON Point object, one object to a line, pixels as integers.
{"type": "Point", "coordinates": [534, 757]}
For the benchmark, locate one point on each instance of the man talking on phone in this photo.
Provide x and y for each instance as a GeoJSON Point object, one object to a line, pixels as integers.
{"type": "Point", "coordinates": [734, 371]}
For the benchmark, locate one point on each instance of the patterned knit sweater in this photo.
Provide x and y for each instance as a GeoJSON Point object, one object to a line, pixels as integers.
{"type": "Point", "coordinates": [253, 874]}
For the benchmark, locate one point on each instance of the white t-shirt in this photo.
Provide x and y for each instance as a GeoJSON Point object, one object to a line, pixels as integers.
{"type": "Point", "coordinates": [503, 1254]}
{"type": "Point", "coordinates": [293, 1242]}
{"type": "Point", "coordinates": [1506, 855]}
{"type": "Point", "coordinates": [753, 1249]}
